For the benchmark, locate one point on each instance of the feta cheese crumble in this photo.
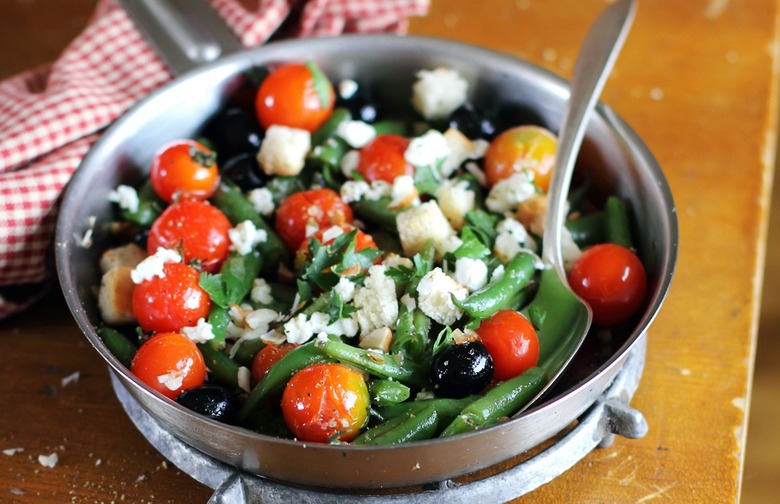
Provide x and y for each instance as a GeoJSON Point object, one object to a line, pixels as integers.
{"type": "Point", "coordinates": [437, 93]}
{"type": "Point", "coordinates": [508, 193]}
{"type": "Point", "coordinates": [471, 273]}
{"type": "Point", "coordinates": [284, 150]}
{"type": "Point", "coordinates": [261, 292]}
{"type": "Point", "coordinates": [154, 265]}
{"type": "Point", "coordinates": [349, 163]}
{"type": "Point", "coordinates": [126, 197]}
{"type": "Point", "coordinates": [422, 223]}
{"type": "Point", "coordinates": [244, 378]}
{"type": "Point", "coordinates": [375, 300]}
{"type": "Point", "coordinates": [356, 133]}
{"type": "Point", "coordinates": [245, 236]}
{"type": "Point", "coordinates": [434, 294]}
{"type": "Point", "coordinates": [427, 150]}
{"type": "Point", "coordinates": [201, 332]}
{"type": "Point", "coordinates": [455, 201]}
{"type": "Point", "coordinates": [171, 380]}
{"type": "Point", "coordinates": [48, 460]}
{"type": "Point", "coordinates": [403, 193]}
{"type": "Point", "coordinates": [345, 289]}
{"type": "Point", "coordinates": [347, 88]}
{"type": "Point", "coordinates": [262, 200]}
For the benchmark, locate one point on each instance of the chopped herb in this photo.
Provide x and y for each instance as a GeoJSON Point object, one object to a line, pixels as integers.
{"type": "Point", "coordinates": [321, 83]}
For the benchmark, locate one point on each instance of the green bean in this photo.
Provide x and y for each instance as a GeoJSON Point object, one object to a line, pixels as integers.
{"type": "Point", "coordinates": [237, 208]}
{"type": "Point", "coordinates": [118, 344]}
{"type": "Point", "coordinates": [618, 230]}
{"type": "Point", "coordinates": [446, 409]}
{"type": "Point", "coordinates": [377, 363]}
{"type": "Point", "coordinates": [384, 392]}
{"type": "Point", "coordinates": [386, 426]}
{"type": "Point", "coordinates": [330, 152]}
{"type": "Point", "coordinates": [281, 372]}
{"type": "Point", "coordinates": [222, 369]}
{"type": "Point", "coordinates": [499, 402]}
{"type": "Point", "coordinates": [588, 229]}
{"type": "Point", "coordinates": [328, 129]}
{"type": "Point", "coordinates": [414, 427]}
{"type": "Point", "coordinates": [219, 318]}
{"type": "Point", "coordinates": [247, 350]}
{"type": "Point", "coordinates": [377, 212]}
{"type": "Point", "coordinates": [390, 127]}
{"type": "Point", "coordinates": [502, 293]}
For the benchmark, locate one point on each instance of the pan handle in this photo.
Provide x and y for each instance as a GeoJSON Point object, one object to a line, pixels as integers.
{"type": "Point", "coordinates": [185, 33]}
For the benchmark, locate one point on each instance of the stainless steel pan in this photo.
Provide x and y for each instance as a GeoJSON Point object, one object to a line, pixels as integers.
{"type": "Point", "coordinates": [615, 158]}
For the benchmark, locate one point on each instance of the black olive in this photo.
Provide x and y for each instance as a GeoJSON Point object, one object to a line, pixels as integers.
{"type": "Point", "coordinates": [212, 401]}
{"type": "Point", "coordinates": [234, 131]}
{"type": "Point", "coordinates": [244, 170]}
{"type": "Point", "coordinates": [472, 122]}
{"type": "Point", "coordinates": [461, 370]}
{"type": "Point", "coordinates": [361, 105]}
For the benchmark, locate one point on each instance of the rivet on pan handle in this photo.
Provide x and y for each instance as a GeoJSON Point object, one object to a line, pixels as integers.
{"type": "Point", "coordinates": [185, 33]}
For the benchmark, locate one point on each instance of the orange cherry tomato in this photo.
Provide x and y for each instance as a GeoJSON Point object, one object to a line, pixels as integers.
{"type": "Point", "coordinates": [267, 357]}
{"type": "Point", "coordinates": [318, 207]}
{"type": "Point", "coordinates": [169, 363]}
{"type": "Point", "coordinates": [362, 241]}
{"type": "Point", "coordinates": [512, 342]}
{"type": "Point", "coordinates": [327, 401]}
{"type": "Point", "coordinates": [522, 148]}
{"type": "Point", "coordinates": [612, 280]}
{"type": "Point", "coordinates": [198, 228]}
{"type": "Point", "coordinates": [184, 168]}
{"type": "Point", "coordinates": [288, 97]}
{"type": "Point", "coordinates": [383, 159]}
{"type": "Point", "coordinates": [164, 304]}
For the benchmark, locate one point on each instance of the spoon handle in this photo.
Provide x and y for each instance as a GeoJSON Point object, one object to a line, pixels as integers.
{"type": "Point", "coordinates": [595, 61]}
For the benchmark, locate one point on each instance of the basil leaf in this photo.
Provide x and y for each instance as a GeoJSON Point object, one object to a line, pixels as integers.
{"type": "Point", "coordinates": [215, 288]}
{"type": "Point", "coordinates": [321, 84]}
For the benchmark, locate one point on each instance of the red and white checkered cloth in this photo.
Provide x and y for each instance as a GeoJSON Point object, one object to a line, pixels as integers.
{"type": "Point", "coordinates": [50, 116]}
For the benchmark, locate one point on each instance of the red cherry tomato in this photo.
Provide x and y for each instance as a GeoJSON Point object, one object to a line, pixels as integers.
{"type": "Point", "coordinates": [362, 241]}
{"type": "Point", "coordinates": [319, 207]}
{"type": "Point", "coordinates": [267, 357]}
{"type": "Point", "coordinates": [612, 280]}
{"type": "Point", "coordinates": [164, 304]}
{"type": "Point", "coordinates": [324, 401]}
{"type": "Point", "coordinates": [186, 168]}
{"type": "Point", "coordinates": [512, 342]}
{"type": "Point", "coordinates": [383, 159]}
{"type": "Point", "coordinates": [200, 229]}
{"type": "Point", "coordinates": [169, 363]}
{"type": "Point", "coordinates": [287, 97]}
{"type": "Point", "coordinates": [522, 148]}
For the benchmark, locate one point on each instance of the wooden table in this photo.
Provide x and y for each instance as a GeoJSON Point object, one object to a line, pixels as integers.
{"type": "Point", "coordinates": [697, 80]}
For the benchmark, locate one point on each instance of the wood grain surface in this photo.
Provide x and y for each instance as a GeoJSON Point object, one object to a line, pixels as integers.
{"type": "Point", "coordinates": [697, 80]}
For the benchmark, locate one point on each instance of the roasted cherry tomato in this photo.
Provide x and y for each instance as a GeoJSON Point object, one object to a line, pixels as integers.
{"type": "Point", "coordinates": [325, 402]}
{"type": "Point", "coordinates": [328, 235]}
{"type": "Point", "coordinates": [522, 148]}
{"type": "Point", "coordinates": [289, 97]}
{"type": "Point", "coordinates": [383, 159]}
{"type": "Point", "coordinates": [169, 363]}
{"type": "Point", "coordinates": [267, 357]}
{"type": "Point", "coordinates": [198, 228]}
{"type": "Point", "coordinates": [512, 342]}
{"type": "Point", "coordinates": [612, 280]}
{"type": "Point", "coordinates": [171, 302]}
{"type": "Point", "coordinates": [184, 168]}
{"type": "Point", "coordinates": [320, 208]}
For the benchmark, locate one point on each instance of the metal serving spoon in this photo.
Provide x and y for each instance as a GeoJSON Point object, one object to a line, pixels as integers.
{"type": "Point", "coordinates": [564, 329]}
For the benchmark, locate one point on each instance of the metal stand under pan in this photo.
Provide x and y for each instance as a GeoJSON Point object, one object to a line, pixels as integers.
{"type": "Point", "coordinates": [610, 414]}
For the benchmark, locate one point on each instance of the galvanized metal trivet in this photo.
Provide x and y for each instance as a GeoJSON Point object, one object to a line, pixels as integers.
{"type": "Point", "coordinates": [609, 415]}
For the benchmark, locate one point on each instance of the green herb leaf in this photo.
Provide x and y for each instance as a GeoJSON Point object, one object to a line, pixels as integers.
{"type": "Point", "coordinates": [337, 308]}
{"type": "Point", "coordinates": [321, 84]}
{"type": "Point", "coordinates": [427, 178]}
{"type": "Point", "coordinates": [215, 288]}
{"type": "Point", "coordinates": [443, 340]}
{"type": "Point", "coordinates": [483, 225]}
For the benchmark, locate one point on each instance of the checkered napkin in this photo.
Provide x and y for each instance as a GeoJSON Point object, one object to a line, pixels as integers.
{"type": "Point", "coordinates": [50, 116]}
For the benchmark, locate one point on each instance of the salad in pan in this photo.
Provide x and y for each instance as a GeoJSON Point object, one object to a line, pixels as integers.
{"type": "Point", "coordinates": [316, 267]}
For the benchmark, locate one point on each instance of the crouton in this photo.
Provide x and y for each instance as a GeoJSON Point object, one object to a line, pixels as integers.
{"type": "Point", "coordinates": [115, 299]}
{"type": "Point", "coordinates": [455, 201]}
{"type": "Point", "coordinates": [127, 255]}
{"type": "Point", "coordinates": [531, 213]}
